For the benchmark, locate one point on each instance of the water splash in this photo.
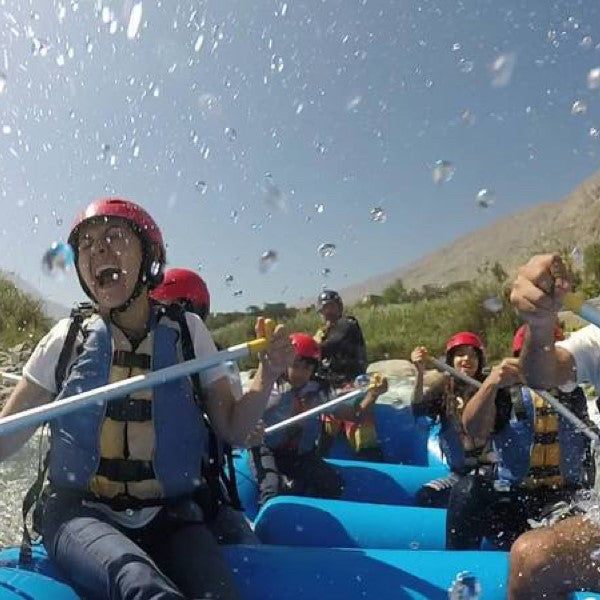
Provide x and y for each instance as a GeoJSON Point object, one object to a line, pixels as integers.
{"type": "Point", "coordinates": [58, 259]}
{"type": "Point", "coordinates": [443, 172]}
{"type": "Point", "coordinates": [326, 250]}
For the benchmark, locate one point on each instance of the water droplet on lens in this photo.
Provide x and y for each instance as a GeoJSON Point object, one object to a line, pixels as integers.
{"type": "Point", "coordinates": [135, 20]}
{"type": "Point", "coordinates": [353, 103]}
{"type": "Point", "coordinates": [199, 43]}
{"type": "Point", "coordinates": [467, 118]}
{"type": "Point", "coordinates": [2, 83]}
{"type": "Point", "coordinates": [57, 259]}
{"type": "Point", "coordinates": [465, 65]}
{"type": "Point", "coordinates": [325, 272]}
{"type": "Point", "coordinates": [465, 587]}
{"type": "Point", "coordinates": [268, 260]}
{"type": "Point", "coordinates": [577, 257]}
{"type": "Point", "coordinates": [284, 8]}
{"type": "Point", "coordinates": [60, 60]}
{"type": "Point", "coordinates": [201, 186]}
{"type": "Point", "coordinates": [326, 250]}
{"type": "Point", "coordinates": [594, 133]}
{"type": "Point", "coordinates": [228, 279]}
{"type": "Point", "coordinates": [414, 545]}
{"type": "Point", "coordinates": [485, 198]}
{"type": "Point", "coordinates": [579, 107]}
{"type": "Point", "coordinates": [230, 134]}
{"type": "Point", "coordinates": [378, 215]}
{"type": "Point", "coordinates": [238, 293]}
{"type": "Point", "coordinates": [319, 208]}
{"type": "Point", "coordinates": [493, 305]}
{"type": "Point", "coordinates": [443, 171]}
{"type": "Point", "coordinates": [502, 69]}
{"type": "Point", "coordinates": [593, 78]}
{"type": "Point", "coordinates": [586, 42]}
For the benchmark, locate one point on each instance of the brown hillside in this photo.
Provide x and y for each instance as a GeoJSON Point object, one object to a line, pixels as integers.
{"type": "Point", "coordinates": [573, 221]}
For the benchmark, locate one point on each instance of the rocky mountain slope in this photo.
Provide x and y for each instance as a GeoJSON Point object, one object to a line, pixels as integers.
{"type": "Point", "coordinates": [571, 222]}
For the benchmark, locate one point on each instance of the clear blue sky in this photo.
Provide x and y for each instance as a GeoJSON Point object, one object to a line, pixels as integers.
{"type": "Point", "coordinates": [345, 103]}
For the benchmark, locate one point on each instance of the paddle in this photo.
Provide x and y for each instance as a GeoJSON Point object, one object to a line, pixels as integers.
{"type": "Point", "coordinates": [38, 415]}
{"type": "Point", "coordinates": [325, 407]}
{"type": "Point", "coordinates": [558, 406]}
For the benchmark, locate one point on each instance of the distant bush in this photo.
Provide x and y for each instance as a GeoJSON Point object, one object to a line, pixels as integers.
{"type": "Point", "coordinates": [392, 331]}
{"type": "Point", "coordinates": [21, 317]}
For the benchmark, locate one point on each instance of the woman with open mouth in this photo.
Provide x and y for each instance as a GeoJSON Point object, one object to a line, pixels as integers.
{"type": "Point", "coordinates": [133, 484]}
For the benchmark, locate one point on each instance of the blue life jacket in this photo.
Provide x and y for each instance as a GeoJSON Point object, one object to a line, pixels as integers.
{"type": "Point", "coordinates": [458, 458]}
{"type": "Point", "coordinates": [149, 446]}
{"type": "Point", "coordinates": [540, 448]}
{"type": "Point", "coordinates": [302, 437]}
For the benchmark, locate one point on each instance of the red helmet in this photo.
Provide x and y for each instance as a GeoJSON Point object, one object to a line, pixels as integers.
{"type": "Point", "coordinates": [305, 346]}
{"type": "Point", "coordinates": [519, 339]}
{"type": "Point", "coordinates": [186, 285]}
{"type": "Point", "coordinates": [464, 338]}
{"type": "Point", "coordinates": [142, 223]}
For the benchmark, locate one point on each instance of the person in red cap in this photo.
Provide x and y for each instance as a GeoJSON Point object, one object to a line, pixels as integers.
{"type": "Point", "coordinates": [551, 562]}
{"type": "Point", "coordinates": [540, 461]}
{"type": "Point", "coordinates": [186, 288]}
{"type": "Point", "coordinates": [288, 461]}
{"type": "Point", "coordinates": [445, 401]}
{"type": "Point", "coordinates": [133, 482]}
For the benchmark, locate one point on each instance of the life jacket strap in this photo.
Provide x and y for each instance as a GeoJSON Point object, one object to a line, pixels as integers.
{"type": "Point", "coordinates": [126, 470]}
{"type": "Point", "coordinates": [132, 360]}
{"type": "Point", "coordinates": [129, 409]}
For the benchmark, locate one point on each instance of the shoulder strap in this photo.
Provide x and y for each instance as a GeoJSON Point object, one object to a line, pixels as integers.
{"type": "Point", "coordinates": [219, 453]}
{"type": "Point", "coordinates": [518, 402]}
{"type": "Point", "coordinates": [78, 315]}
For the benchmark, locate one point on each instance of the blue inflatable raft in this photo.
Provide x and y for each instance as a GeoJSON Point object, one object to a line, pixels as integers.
{"type": "Point", "coordinates": [279, 573]}
{"type": "Point", "coordinates": [376, 483]}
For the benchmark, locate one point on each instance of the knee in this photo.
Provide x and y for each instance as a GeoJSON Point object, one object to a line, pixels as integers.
{"type": "Point", "coordinates": [530, 560]}
{"type": "Point", "coordinates": [138, 577]}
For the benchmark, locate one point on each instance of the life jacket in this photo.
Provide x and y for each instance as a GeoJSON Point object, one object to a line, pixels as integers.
{"type": "Point", "coordinates": [360, 435]}
{"type": "Point", "coordinates": [460, 451]}
{"type": "Point", "coordinates": [344, 351]}
{"type": "Point", "coordinates": [149, 446]}
{"type": "Point", "coordinates": [286, 402]}
{"type": "Point", "coordinates": [539, 448]}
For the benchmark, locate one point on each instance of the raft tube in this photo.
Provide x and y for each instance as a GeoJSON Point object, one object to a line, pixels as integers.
{"type": "Point", "coordinates": [376, 483]}
{"type": "Point", "coordinates": [314, 522]}
{"type": "Point", "coordinates": [279, 573]}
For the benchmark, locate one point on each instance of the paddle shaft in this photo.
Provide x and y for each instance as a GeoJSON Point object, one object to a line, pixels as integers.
{"type": "Point", "coordinates": [12, 377]}
{"type": "Point", "coordinates": [353, 395]}
{"type": "Point", "coordinates": [38, 415]}
{"type": "Point", "coordinates": [556, 405]}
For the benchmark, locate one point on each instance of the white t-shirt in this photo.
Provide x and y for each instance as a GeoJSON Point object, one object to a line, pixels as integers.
{"type": "Point", "coordinates": [584, 346]}
{"type": "Point", "coordinates": [42, 363]}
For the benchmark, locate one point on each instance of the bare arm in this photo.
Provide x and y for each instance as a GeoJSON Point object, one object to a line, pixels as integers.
{"type": "Point", "coordinates": [235, 419]}
{"type": "Point", "coordinates": [479, 415]}
{"type": "Point", "coordinates": [543, 364]}
{"type": "Point", "coordinates": [25, 395]}
{"type": "Point", "coordinates": [537, 295]}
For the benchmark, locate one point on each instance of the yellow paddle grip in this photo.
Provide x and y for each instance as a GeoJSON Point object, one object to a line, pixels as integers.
{"type": "Point", "coordinates": [376, 379]}
{"type": "Point", "coordinates": [260, 344]}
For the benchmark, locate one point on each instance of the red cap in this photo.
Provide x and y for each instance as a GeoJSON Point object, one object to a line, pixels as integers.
{"type": "Point", "coordinates": [464, 338]}
{"type": "Point", "coordinates": [183, 284]}
{"type": "Point", "coordinates": [305, 346]}
{"type": "Point", "coordinates": [519, 339]}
